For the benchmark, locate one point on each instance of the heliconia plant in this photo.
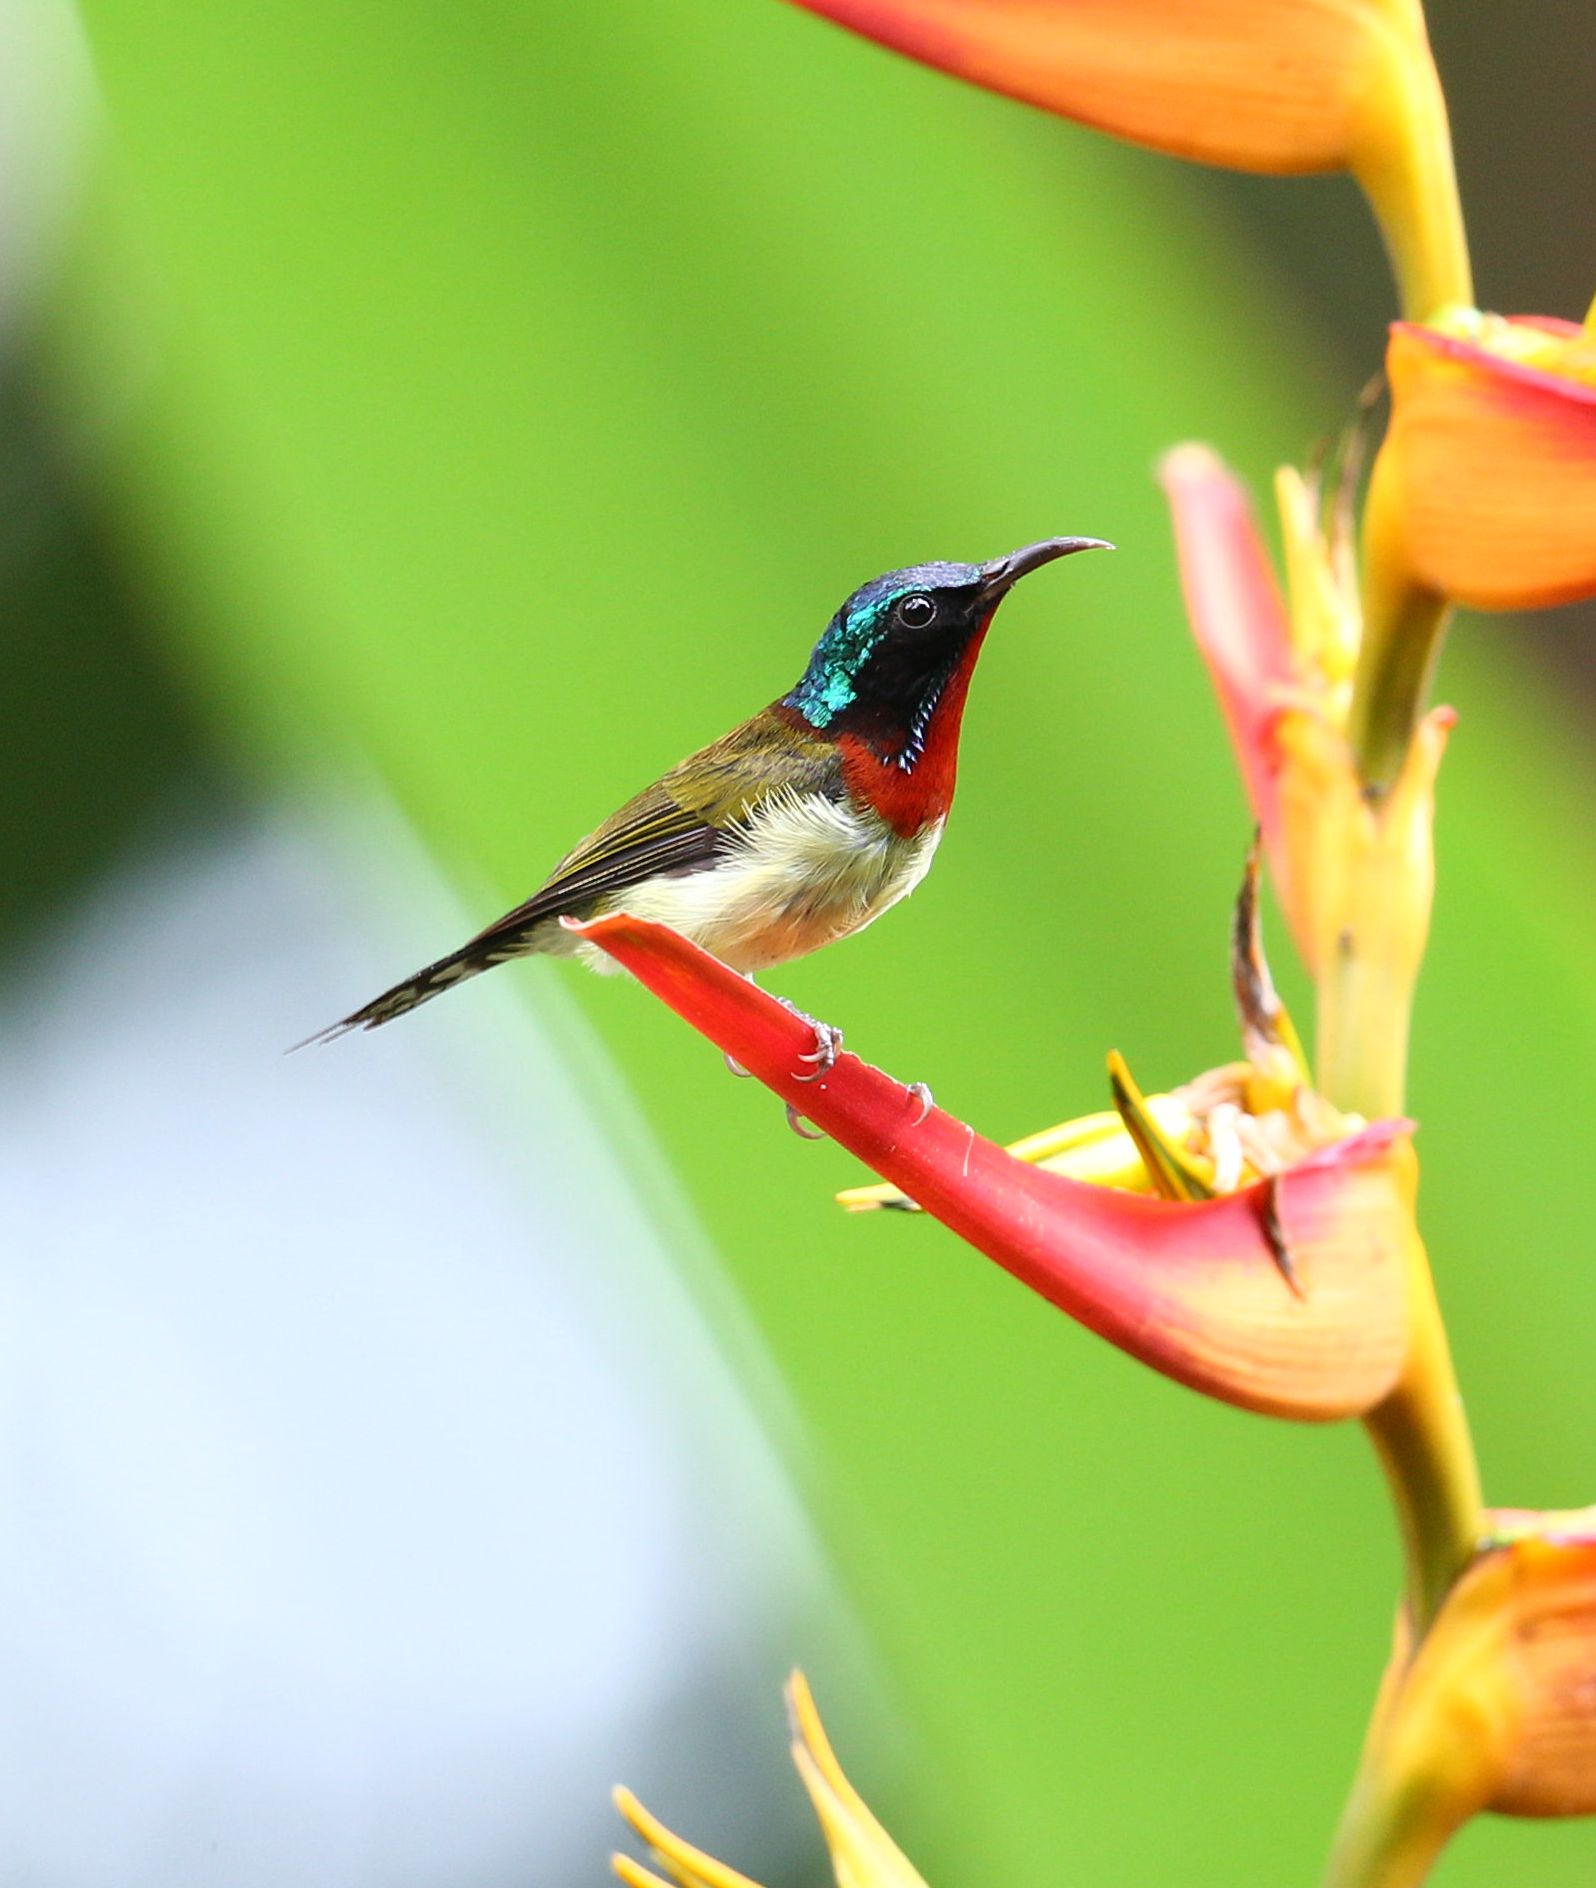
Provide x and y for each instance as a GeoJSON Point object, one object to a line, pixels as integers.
{"type": "Point", "coordinates": [1254, 1234]}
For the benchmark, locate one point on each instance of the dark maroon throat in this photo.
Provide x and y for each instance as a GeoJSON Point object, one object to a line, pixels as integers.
{"type": "Point", "coordinates": [908, 775]}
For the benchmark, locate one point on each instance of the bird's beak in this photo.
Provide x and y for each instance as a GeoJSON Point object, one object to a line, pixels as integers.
{"type": "Point", "coordinates": [1003, 573]}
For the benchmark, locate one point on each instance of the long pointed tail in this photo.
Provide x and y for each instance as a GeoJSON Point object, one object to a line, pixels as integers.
{"type": "Point", "coordinates": [468, 961]}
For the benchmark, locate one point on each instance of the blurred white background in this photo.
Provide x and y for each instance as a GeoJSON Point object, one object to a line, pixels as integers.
{"type": "Point", "coordinates": [358, 1525]}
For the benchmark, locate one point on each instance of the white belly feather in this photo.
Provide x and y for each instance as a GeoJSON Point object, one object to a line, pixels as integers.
{"type": "Point", "coordinates": [807, 871]}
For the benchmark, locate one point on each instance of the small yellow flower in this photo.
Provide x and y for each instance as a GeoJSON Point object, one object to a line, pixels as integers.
{"type": "Point", "coordinates": [863, 1855]}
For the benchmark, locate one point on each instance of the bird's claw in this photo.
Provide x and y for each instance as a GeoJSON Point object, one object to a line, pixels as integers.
{"type": "Point", "coordinates": [828, 1043]}
{"type": "Point", "coordinates": [733, 1064]}
{"type": "Point", "coordinates": [828, 1046]}
{"type": "Point", "coordinates": [803, 1129]}
{"type": "Point", "coordinates": [923, 1095]}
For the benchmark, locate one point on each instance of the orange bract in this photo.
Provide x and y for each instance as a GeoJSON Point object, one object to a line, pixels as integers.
{"type": "Point", "coordinates": [1486, 482]}
{"type": "Point", "coordinates": [1494, 1709]}
{"type": "Point", "coordinates": [1285, 86]}
{"type": "Point", "coordinates": [1258, 84]}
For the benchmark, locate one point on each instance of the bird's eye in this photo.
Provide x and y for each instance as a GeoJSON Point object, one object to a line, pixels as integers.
{"type": "Point", "coordinates": [917, 612]}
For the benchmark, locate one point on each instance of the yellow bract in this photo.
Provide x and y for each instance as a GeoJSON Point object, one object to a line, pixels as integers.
{"type": "Point", "coordinates": [1494, 1709]}
{"type": "Point", "coordinates": [689, 1867]}
{"type": "Point", "coordinates": [863, 1855]}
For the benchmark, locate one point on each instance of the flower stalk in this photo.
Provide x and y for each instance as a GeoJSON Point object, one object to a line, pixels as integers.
{"type": "Point", "coordinates": [1404, 626]}
{"type": "Point", "coordinates": [1405, 165]}
{"type": "Point", "coordinates": [1421, 1435]}
{"type": "Point", "coordinates": [1374, 869]}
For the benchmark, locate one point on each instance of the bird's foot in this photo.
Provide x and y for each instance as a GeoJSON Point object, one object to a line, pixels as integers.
{"type": "Point", "coordinates": [805, 1130]}
{"type": "Point", "coordinates": [923, 1095]}
{"type": "Point", "coordinates": [828, 1043]}
{"type": "Point", "coordinates": [828, 1046]}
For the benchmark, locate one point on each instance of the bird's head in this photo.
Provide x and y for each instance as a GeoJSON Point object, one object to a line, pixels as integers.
{"type": "Point", "coordinates": [887, 657]}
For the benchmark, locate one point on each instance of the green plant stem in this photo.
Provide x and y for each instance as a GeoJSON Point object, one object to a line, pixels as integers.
{"type": "Point", "coordinates": [1421, 1435]}
{"type": "Point", "coordinates": [1388, 1836]}
{"type": "Point", "coordinates": [1365, 1006]}
{"type": "Point", "coordinates": [1365, 997]}
{"type": "Point", "coordinates": [1408, 174]}
{"type": "Point", "coordinates": [1428, 1764]}
{"type": "Point", "coordinates": [1404, 626]}
{"type": "Point", "coordinates": [1420, 1432]}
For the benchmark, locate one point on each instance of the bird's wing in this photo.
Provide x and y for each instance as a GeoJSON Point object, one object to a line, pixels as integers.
{"type": "Point", "coordinates": [680, 824]}
{"type": "Point", "coordinates": [683, 822]}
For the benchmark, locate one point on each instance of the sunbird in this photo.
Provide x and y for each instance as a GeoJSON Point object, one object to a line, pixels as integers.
{"type": "Point", "coordinates": [799, 827]}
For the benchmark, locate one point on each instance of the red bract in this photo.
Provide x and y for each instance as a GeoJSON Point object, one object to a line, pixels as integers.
{"type": "Point", "coordinates": [1195, 1290]}
{"type": "Point", "coordinates": [1237, 616]}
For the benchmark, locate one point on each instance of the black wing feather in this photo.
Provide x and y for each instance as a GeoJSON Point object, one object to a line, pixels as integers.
{"type": "Point", "coordinates": [683, 823]}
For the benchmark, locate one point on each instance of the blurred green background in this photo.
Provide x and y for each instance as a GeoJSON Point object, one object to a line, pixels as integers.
{"type": "Point", "coordinates": [495, 400]}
